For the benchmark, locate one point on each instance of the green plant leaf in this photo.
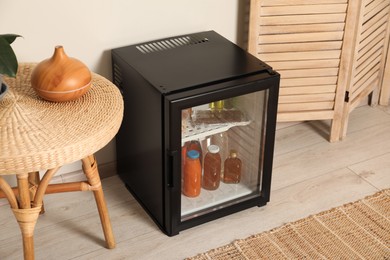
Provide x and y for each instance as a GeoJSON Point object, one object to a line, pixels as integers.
{"type": "Point", "coordinates": [8, 61]}
{"type": "Point", "coordinates": [10, 38]}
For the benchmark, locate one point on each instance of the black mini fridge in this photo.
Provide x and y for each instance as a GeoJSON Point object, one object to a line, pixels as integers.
{"type": "Point", "coordinates": [187, 99]}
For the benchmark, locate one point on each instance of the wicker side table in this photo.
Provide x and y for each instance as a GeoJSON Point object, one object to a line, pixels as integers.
{"type": "Point", "coordinates": [38, 135]}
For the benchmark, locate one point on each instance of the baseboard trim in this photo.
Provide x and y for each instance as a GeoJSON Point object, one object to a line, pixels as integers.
{"type": "Point", "coordinates": [105, 170]}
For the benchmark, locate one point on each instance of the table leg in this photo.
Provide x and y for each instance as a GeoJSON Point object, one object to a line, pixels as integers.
{"type": "Point", "coordinates": [24, 193]}
{"type": "Point", "coordinates": [91, 172]}
{"type": "Point", "coordinates": [8, 193]}
{"type": "Point", "coordinates": [26, 216]}
{"type": "Point", "coordinates": [29, 208]}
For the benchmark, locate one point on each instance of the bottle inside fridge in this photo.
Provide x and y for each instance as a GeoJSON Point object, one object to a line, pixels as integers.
{"type": "Point", "coordinates": [192, 174]}
{"type": "Point", "coordinates": [211, 168]}
{"type": "Point", "coordinates": [232, 168]}
{"type": "Point", "coordinates": [235, 124]}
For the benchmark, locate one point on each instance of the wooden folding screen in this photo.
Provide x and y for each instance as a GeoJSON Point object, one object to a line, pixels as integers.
{"type": "Point", "coordinates": [369, 58]}
{"type": "Point", "coordinates": [319, 48]}
{"type": "Point", "coordinates": [385, 91]}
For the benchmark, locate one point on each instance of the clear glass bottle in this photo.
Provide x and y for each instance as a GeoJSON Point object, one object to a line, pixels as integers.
{"type": "Point", "coordinates": [232, 168]}
{"type": "Point", "coordinates": [222, 141]}
{"type": "Point", "coordinates": [217, 105]}
{"type": "Point", "coordinates": [212, 168]}
{"type": "Point", "coordinates": [192, 176]}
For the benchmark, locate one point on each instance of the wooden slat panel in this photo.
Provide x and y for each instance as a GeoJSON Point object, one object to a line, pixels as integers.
{"type": "Point", "coordinates": [365, 89]}
{"type": "Point", "coordinates": [304, 46]}
{"type": "Point", "coordinates": [377, 26]}
{"type": "Point", "coordinates": [369, 49]}
{"type": "Point", "coordinates": [285, 74]}
{"type": "Point", "coordinates": [300, 2]}
{"type": "Point", "coordinates": [303, 9]}
{"type": "Point", "coordinates": [304, 42]}
{"type": "Point", "coordinates": [301, 37]}
{"type": "Point", "coordinates": [307, 90]}
{"type": "Point", "coordinates": [371, 5]}
{"type": "Point", "coordinates": [310, 106]}
{"type": "Point", "coordinates": [366, 69]}
{"type": "Point", "coordinates": [303, 55]}
{"type": "Point", "coordinates": [308, 81]}
{"type": "Point", "coordinates": [307, 98]}
{"type": "Point", "coordinates": [374, 11]}
{"type": "Point", "coordinates": [364, 81]}
{"type": "Point", "coordinates": [379, 16]}
{"type": "Point", "coordinates": [304, 64]}
{"type": "Point", "coordinates": [305, 115]}
{"type": "Point", "coordinates": [302, 19]}
{"type": "Point", "coordinates": [303, 28]}
{"type": "Point", "coordinates": [378, 33]}
{"type": "Point", "coordinates": [364, 66]}
{"type": "Point", "coordinates": [370, 84]}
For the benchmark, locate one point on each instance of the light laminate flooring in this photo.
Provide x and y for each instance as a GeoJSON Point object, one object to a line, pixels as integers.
{"type": "Point", "coordinates": [310, 175]}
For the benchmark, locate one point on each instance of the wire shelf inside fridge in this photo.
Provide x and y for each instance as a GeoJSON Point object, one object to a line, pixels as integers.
{"type": "Point", "coordinates": [193, 130]}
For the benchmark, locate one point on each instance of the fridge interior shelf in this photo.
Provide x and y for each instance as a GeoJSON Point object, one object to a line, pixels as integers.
{"type": "Point", "coordinates": [216, 198]}
{"type": "Point", "coordinates": [194, 131]}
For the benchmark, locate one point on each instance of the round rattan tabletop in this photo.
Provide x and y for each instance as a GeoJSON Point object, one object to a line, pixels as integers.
{"type": "Point", "coordinates": [36, 134]}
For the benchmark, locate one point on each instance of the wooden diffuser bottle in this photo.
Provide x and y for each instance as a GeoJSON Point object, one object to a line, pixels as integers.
{"type": "Point", "coordinates": [61, 78]}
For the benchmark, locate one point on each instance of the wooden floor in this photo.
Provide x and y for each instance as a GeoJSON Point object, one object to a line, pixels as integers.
{"type": "Point", "coordinates": [310, 175]}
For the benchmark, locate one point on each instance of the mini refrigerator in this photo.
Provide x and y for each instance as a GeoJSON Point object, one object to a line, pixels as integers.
{"type": "Point", "coordinates": [197, 138]}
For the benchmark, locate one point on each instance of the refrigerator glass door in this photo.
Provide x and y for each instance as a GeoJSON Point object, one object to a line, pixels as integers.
{"type": "Point", "coordinates": [226, 167]}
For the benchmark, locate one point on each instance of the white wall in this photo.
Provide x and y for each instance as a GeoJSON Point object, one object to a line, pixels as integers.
{"type": "Point", "coordinates": [89, 29]}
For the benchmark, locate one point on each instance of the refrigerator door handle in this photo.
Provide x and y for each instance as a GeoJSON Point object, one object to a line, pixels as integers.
{"type": "Point", "coordinates": [172, 168]}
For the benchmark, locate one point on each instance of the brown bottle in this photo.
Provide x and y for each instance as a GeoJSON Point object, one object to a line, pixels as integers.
{"type": "Point", "coordinates": [232, 168]}
{"type": "Point", "coordinates": [212, 168]}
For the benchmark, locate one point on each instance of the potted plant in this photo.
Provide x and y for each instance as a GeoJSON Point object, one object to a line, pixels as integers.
{"type": "Point", "coordinates": [8, 61]}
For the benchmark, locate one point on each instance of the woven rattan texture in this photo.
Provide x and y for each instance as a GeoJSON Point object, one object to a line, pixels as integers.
{"type": "Point", "coordinates": [359, 230]}
{"type": "Point", "coordinates": [37, 135]}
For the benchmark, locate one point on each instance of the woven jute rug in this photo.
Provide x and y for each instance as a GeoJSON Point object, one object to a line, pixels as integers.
{"type": "Point", "coordinates": [358, 230]}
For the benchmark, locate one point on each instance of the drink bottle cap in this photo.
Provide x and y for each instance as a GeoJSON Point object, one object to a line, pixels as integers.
{"type": "Point", "coordinates": [213, 148]}
{"type": "Point", "coordinates": [233, 153]}
{"type": "Point", "coordinates": [193, 154]}
{"type": "Point", "coordinates": [220, 104]}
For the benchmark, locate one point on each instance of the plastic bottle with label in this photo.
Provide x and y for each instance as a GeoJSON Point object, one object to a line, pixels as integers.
{"type": "Point", "coordinates": [212, 168]}
{"type": "Point", "coordinates": [232, 168]}
{"type": "Point", "coordinates": [192, 176]}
